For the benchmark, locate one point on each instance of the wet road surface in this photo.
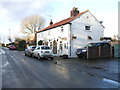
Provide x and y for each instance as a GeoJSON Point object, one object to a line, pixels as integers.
{"type": "Point", "coordinates": [19, 71]}
{"type": "Point", "coordinates": [104, 68]}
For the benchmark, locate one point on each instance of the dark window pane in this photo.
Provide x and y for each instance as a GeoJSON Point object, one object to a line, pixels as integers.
{"type": "Point", "coordinates": [87, 27]}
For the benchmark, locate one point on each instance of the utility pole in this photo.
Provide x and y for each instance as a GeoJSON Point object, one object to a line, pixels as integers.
{"type": "Point", "coordinates": [9, 37]}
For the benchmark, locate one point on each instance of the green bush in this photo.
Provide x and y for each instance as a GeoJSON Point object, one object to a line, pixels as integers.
{"type": "Point", "coordinates": [40, 42]}
{"type": "Point", "coordinates": [21, 45]}
{"type": "Point", "coordinates": [20, 49]}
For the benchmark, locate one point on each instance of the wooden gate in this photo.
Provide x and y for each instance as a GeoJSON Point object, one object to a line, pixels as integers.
{"type": "Point", "coordinates": [99, 52]}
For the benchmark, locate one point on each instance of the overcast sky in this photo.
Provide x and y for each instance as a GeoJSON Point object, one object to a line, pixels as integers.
{"type": "Point", "coordinates": [12, 12]}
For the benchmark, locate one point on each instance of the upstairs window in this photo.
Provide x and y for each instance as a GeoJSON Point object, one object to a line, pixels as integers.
{"type": "Point", "coordinates": [87, 28]}
{"type": "Point", "coordinates": [62, 29]}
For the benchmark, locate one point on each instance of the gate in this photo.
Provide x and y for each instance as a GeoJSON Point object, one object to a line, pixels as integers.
{"type": "Point", "coordinates": [99, 52]}
{"type": "Point", "coordinates": [116, 50]}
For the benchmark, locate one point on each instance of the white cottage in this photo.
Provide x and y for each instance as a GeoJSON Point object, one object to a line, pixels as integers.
{"type": "Point", "coordinates": [65, 36]}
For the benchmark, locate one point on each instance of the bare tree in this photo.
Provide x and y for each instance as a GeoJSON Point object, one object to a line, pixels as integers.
{"type": "Point", "coordinates": [17, 39]}
{"type": "Point", "coordinates": [30, 26]}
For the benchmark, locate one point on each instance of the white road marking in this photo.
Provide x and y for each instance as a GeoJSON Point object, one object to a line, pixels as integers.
{"type": "Point", "coordinates": [2, 51]}
{"type": "Point", "coordinates": [6, 64]}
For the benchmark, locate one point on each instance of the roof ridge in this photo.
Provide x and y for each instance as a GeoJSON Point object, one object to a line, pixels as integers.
{"type": "Point", "coordinates": [62, 22]}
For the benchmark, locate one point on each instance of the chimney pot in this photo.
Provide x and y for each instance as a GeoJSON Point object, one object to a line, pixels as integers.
{"type": "Point", "coordinates": [51, 22]}
{"type": "Point", "coordinates": [74, 12]}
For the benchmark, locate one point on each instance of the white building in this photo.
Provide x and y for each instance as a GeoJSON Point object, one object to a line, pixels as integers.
{"type": "Point", "coordinates": [65, 36]}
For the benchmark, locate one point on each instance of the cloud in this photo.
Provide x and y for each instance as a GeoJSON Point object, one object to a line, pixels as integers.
{"type": "Point", "coordinates": [16, 10]}
{"type": "Point", "coordinates": [12, 9]}
{"type": "Point", "coordinates": [12, 12]}
{"type": "Point", "coordinates": [38, 4]}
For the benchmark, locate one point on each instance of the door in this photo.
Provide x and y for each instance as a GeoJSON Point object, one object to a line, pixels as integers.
{"type": "Point", "coordinates": [54, 47]}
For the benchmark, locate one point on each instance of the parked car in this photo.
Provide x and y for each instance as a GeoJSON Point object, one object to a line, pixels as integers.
{"type": "Point", "coordinates": [82, 52]}
{"type": "Point", "coordinates": [8, 46]}
{"type": "Point", "coordinates": [29, 50]}
{"type": "Point", "coordinates": [43, 52]}
{"type": "Point", "coordinates": [12, 47]}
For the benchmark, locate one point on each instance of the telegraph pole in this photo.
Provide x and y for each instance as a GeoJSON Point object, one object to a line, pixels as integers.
{"type": "Point", "coordinates": [9, 37]}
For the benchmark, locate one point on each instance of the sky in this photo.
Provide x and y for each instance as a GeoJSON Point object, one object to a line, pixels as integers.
{"type": "Point", "coordinates": [12, 12]}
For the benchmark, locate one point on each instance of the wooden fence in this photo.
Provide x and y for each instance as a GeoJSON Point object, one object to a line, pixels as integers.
{"type": "Point", "coordinates": [117, 50]}
{"type": "Point", "coordinates": [99, 52]}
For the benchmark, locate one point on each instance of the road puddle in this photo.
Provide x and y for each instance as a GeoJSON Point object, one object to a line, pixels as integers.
{"type": "Point", "coordinates": [111, 81]}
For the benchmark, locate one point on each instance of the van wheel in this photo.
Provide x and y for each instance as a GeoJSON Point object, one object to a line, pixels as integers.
{"type": "Point", "coordinates": [39, 57]}
{"type": "Point", "coordinates": [79, 56]}
{"type": "Point", "coordinates": [32, 55]}
{"type": "Point", "coordinates": [51, 58]}
{"type": "Point", "coordinates": [25, 54]}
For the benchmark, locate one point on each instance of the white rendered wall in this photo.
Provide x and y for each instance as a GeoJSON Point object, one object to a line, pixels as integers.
{"type": "Point", "coordinates": [56, 34]}
{"type": "Point", "coordinates": [78, 30]}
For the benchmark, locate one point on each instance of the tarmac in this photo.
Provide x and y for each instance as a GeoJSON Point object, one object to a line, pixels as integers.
{"type": "Point", "coordinates": [105, 68]}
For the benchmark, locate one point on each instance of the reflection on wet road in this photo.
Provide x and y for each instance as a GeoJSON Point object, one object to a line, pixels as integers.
{"type": "Point", "coordinates": [19, 71]}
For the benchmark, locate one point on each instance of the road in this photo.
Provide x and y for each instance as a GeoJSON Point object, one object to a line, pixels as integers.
{"type": "Point", "coordinates": [20, 71]}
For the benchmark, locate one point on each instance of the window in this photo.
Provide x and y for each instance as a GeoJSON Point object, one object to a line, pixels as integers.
{"type": "Point", "coordinates": [50, 44]}
{"type": "Point", "coordinates": [62, 29]}
{"type": "Point", "coordinates": [64, 45]}
{"type": "Point", "coordinates": [89, 38]}
{"type": "Point", "coordinates": [87, 27]}
{"type": "Point", "coordinates": [61, 45]}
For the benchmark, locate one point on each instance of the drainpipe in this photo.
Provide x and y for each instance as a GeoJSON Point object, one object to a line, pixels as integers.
{"type": "Point", "coordinates": [70, 38]}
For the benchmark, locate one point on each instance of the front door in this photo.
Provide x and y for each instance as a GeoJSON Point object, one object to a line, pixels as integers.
{"type": "Point", "coordinates": [54, 47]}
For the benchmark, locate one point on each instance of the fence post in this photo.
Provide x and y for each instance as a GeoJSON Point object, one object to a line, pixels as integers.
{"type": "Point", "coordinates": [99, 51]}
{"type": "Point", "coordinates": [111, 51]}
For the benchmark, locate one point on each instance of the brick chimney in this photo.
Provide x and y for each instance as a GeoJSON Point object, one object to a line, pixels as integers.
{"type": "Point", "coordinates": [51, 22]}
{"type": "Point", "coordinates": [74, 12]}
